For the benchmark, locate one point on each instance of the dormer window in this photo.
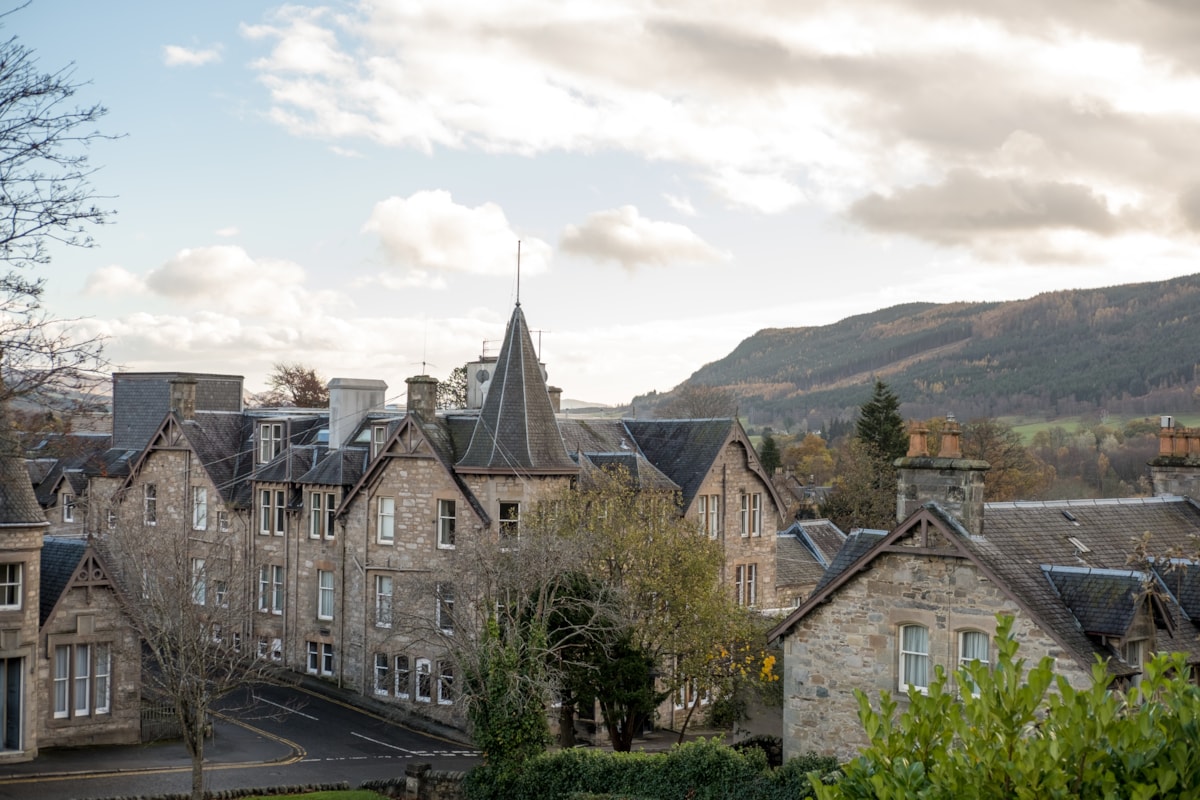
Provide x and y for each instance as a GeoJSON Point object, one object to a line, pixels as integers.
{"type": "Point", "coordinates": [68, 508]}
{"type": "Point", "coordinates": [270, 440]}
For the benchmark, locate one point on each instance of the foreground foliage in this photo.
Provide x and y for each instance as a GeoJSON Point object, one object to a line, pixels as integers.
{"type": "Point", "coordinates": [700, 770]}
{"type": "Point", "coordinates": [1029, 734]}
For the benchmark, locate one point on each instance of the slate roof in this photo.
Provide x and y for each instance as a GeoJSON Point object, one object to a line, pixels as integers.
{"type": "Point", "coordinates": [1068, 564]}
{"type": "Point", "coordinates": [342, 467]}
{"type": "Point", "coordinates": [804, 550]}
{"type": "Point", "coordinates": [516, 431]}
{"type": "Point", "coordinates": [60, 557]}
{"type": "Point", "coordinates": [858, 543]}
{"type": "Point", "coordinates": [221, 442]}
{"type": "Point", "coordinates": [1181, 578]}
{"type": "Point", "coordinates": [1103, 601]}
{"type": "Point", "coordinates": [645, 476]}
{"type": "Point", "coordinates": [18, 503]}
{"type": "Point", "coordinates": [683, 449]}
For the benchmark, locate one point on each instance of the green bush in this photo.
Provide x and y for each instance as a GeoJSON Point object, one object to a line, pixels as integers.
{"type": "Point", "coordinates": [1015, 738]}
{"type": "Point", "coordinates": [700, 770]}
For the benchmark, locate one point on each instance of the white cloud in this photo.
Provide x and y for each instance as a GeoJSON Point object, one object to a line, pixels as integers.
{"type": "Point", "coordinates": [176, 56]}
{"type": "Point", "coordinates": [113, 281]}
{"type": "Point", "coordinates": [774, 106]}
{"type": "Point", "coordinates": [428, 234]}
{"type": "Point", "coordinates": [624, 236]}
{"type": "Point", "coordinates": [681, 204]}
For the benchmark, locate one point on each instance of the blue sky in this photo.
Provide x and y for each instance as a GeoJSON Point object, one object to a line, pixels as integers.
{"type": "Point", "coordinates": [345, 184]}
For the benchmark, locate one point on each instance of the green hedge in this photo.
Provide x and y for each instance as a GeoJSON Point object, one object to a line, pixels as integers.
{"type": "Point", "coordinates": [700, 770]}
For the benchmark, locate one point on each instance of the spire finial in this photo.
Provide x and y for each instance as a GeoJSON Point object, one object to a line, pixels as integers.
{"type": "Point", "coordinates": [518, 273]}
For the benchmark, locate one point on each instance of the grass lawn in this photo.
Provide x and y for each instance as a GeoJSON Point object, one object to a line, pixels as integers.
{"type": "Point", "coordinates": [348, 794]}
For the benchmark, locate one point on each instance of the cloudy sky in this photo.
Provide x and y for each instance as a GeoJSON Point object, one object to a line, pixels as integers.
{"type": "Point", "coordinates": [345, 184]}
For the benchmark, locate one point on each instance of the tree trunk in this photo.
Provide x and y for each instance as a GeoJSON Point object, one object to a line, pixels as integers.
{"type": "Point", "coordinates": [193, 739]}
{"type": "Point", "coordinates": [687, 718]}
{"type": "Point", "coordinates": [566, 724]}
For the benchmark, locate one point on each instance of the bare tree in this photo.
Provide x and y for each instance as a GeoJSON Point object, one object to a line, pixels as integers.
{"type": "Point", "coordinates": [452, 392]}
{"type": "Point", "coordinates": [294, 384]}
{"type": "Point", "coordinates": [190, 596]}
{"type": "Point", "coordinates": [45, 197]}
{"type": "Point", "coordinates": [697, 401]}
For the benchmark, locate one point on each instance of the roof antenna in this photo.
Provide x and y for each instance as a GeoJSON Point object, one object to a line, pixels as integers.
{"type": "Point", "coordinates": [518, 273]}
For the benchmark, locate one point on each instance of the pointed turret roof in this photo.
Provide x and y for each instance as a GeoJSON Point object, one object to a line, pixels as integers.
{"type": "Point", "coordinates": [516, 430]}
{"type": "Point", "coordinates": [18, 503]}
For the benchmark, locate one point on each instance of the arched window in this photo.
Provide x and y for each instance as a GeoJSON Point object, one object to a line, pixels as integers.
{"type": "Point", "coordinates": [914, 657]}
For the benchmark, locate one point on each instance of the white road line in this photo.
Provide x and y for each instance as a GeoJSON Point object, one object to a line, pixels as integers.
{"type": "Point", "coordinates": [285, 708]}
{"type": "Point", "coordinates": [383, 744]}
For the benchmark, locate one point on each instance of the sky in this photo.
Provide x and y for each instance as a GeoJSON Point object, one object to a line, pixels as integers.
{"type": "Point", "coordinates": [345, 184]}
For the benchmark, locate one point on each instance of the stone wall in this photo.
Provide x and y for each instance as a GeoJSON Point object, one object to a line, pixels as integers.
{"type": "Point", "coordinates": [851, 643]}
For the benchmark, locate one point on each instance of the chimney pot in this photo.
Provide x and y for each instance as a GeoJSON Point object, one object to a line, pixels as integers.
{"type": "Point", "coordinates": [918, 441]}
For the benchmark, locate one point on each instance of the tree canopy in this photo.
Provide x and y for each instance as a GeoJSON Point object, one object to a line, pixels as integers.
{"type": "Point", "coordinates": [880, 424]}
{"type": "Point", "coordinates": [293, 384]}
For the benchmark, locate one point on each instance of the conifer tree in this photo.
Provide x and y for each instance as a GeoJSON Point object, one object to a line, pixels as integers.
{"type": "Point", "coordinates": [880, 424]}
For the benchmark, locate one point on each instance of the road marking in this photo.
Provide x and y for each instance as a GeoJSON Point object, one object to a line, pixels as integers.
{"type": "Point", "coordinates": [285, 708]}
{"type": "Point", "coordinates": [384, 744]}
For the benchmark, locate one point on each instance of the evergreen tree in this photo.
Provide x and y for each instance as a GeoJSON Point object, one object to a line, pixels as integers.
{"type": "Point", "coordinates": [880, 424]}
{"type": "Point", "coordinates": [768, 454]}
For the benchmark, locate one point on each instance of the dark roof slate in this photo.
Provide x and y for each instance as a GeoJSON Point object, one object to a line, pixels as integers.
{"type": "Point", "coordinates": [516, 430]}
{"type": "Point", "coordinates": [1181, 579]}
{"type": "Point", "coordinates": [341, 467]}
{"type": "Point", "coordinates": [684, 450]}
{"type": "Point", "coordinates": [60, 558]}
{"type": "Point", "coordinates": [645, 476]}
{"type": "Point", "coordinates": [1104, 601]}
{"type": "Point", "coordinates": [804, 550]}
{"type": "Point", "coordinates": [857, 543]}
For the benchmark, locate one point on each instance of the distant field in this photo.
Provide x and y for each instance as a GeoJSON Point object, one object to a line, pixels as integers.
{"type": "Point", "coordinates": [1028, 428]}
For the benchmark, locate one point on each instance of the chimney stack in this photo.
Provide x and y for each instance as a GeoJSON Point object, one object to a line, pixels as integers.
{"type": "Point", "coordinates": [422, 396]}
{"type": "Point", "coordinates": [183, 397]}
{"type": "Point", "coordinates": [555, 398]}
{"type": "Point", "coordinates": [953, 482]}
{"type": "Point", "coordinates": [1176, 469]}
{"type": "Point", "coordinates": [349, 401]}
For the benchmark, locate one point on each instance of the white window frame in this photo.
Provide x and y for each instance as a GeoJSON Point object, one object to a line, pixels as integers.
{"type": "Point", "coordinates": [447, 518]}
{"type": "Point", "coordinates": [401, 675]}
{"type": "Point", "coordinates": [1134, 653]}
{"type": "Point", "coordinates": [223, 521]}
{"type": "Point", "coordinates": [12, 575]}
{"type": "Point", "coordinates": [968, 650]}
{"type": "Point", "coordinates": [911, 658]}
{"type": "Point", "coordinates": [445, 608]}
{"type": "Point", "coordinates": [384, 587]}
{"type": "Point", "coordinates": [739, 583]}
{"type": "Point", "coordinates": [313, 663]}
{"type": "Point", "coordinates": [150, 503]}
{"type": "Point", "coordinates": [378, 439]}
{"type": "Point", "coordinates": [199, 508]}
{"type": "Point", "coordinates": [68, 507]}
{"type": "Point", "coordinates": [264, 591]}
{"type": "Point", "coordinates": [445, 683]}
{"type": "Point", "coordinates": [315, 515]}
{"type": "Point", "coordinates": [424, 687]}
{"type": "Point", "coordinates": [382, 678]}
{"type": "Point", "coordinates": [752, 585]}
{"type": "Point", "coordinates": [82, 682]}
{"type": "Point", "coordinates": [385, 520]}
{"type": "Point", "coordinates": [325, 594]}
{"type": "Point", "coordinates": [756, 514]}
{"type": "Point", "coordinates": [265, 515]}
{"type": "Point", "coordinates": [270, 441]}
{"type": "Point", "coordinates": [277, 598]}
{"type": "Point", "coordinates": [510, 524]}
{"type": "Point", "coordinates": [330, 511]}
{"type": "Point", "coordinates": [327, 660]}
{"type": "Point", "coordinates": [280, 507]}
{"type": "Point", "coordinates": [199, 582]}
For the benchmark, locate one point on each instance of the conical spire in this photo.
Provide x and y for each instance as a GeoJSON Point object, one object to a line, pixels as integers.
{"type": "Point", "coordinates": [516, 430]}
{"type": "Point", "coordinates": [18, 503]}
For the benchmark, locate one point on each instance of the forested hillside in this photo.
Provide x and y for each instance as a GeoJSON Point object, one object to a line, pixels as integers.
{"type": "Point", "coordinates": [1128, 349]}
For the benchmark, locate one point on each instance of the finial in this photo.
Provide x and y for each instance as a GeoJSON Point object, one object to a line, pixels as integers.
{"type": "Point", "coordinates": [518, 273]}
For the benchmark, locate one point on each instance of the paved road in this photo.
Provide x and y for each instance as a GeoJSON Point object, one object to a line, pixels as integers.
{"type": "Point", "coordinates": [273, 736]}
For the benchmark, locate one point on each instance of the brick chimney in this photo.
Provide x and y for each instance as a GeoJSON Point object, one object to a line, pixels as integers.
{"type": "Point", "coordinates": [422, 396]}
{"type": "Point", "coordinates": [953, 482]}
{"type": "Point", "coordinates": [1176, 469]}
{"type": "Point", "coordinates": [183, 397]}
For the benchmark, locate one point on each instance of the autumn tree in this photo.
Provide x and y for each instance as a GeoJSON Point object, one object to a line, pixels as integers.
{"type": "Point", "coordinates": [864, 490]}
{"type": "Point", "coordinates": [810, 459]}
{"type": "Point", "coordinates": [292, 384]}
{"type": "Point", "coordinates": [452, 392]}
{"type": "Point", "coordinates": [697, 401]}
{"type": "Point", "coordinates": [1015, 474]}
{"type": "Point", "coordinates": [47, 199]}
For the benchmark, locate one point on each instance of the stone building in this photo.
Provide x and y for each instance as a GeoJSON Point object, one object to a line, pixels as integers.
{"type": "Point", "coordinates": [70, 668]}
{"type": "Point", "coordinates": [355, 518]}
{"type": "Point", "coordinates": [1077, 577]}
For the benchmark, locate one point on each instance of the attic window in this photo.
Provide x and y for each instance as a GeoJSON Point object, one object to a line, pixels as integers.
{"type": "Point", "coordinates": [1080, 546]}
